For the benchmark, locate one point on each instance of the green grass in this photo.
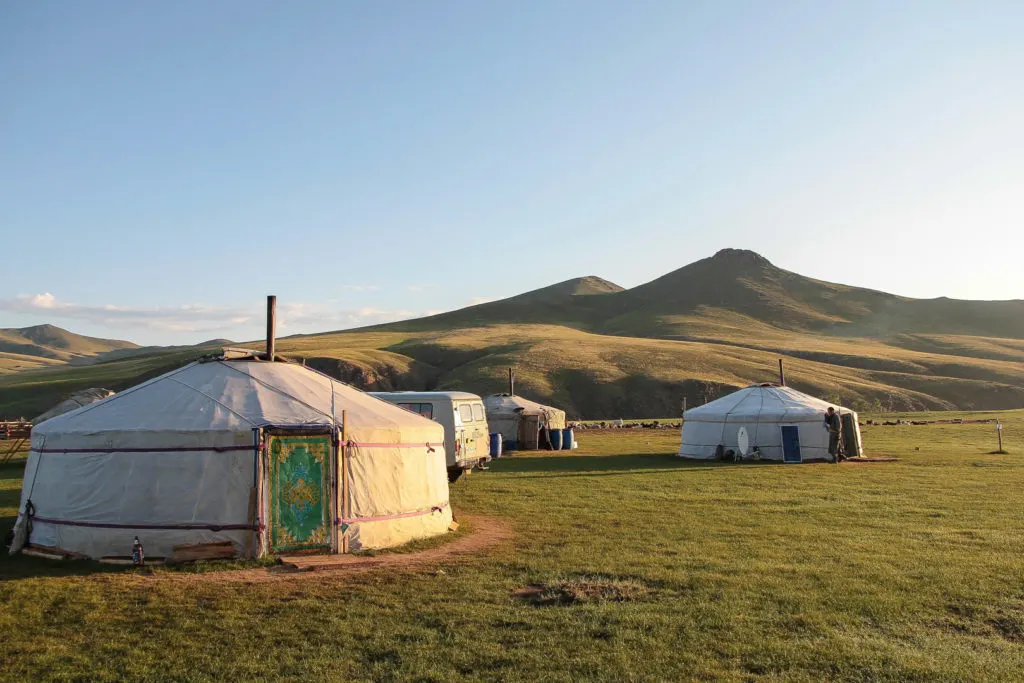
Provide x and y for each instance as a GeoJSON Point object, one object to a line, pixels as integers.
{"type": "Point", "coordinates": [653, 568]}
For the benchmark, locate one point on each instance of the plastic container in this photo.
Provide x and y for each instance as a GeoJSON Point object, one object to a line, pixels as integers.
{"type": "Point", "coordinates": [556, 439]}
{"type": "Point", "coordinates": [495, 445]}
{"type": "Point", "coordinates": [567, 439]}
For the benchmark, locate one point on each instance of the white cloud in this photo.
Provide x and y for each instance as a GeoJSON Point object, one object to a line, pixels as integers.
{"type": "Point", "coordinates": [361, 288]}
{"type": "Point", "coordinates": [478, 300]}
{"type": "Point", "coordinates": [43, 300]}
{"type": "Point", "coordinates": [419, 288]}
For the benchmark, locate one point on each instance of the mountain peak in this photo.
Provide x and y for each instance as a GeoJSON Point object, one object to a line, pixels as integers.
{"type": "Point", "coordinates": [577, 286]}
{"type": "Point", "coordinates": [45, 328]}
{"type": "Point", "coordinates": [740, 257]}
{"type": "Point", "coordinates": [591, 284]}
{"type": "Point", "coordinates": [49, 335]}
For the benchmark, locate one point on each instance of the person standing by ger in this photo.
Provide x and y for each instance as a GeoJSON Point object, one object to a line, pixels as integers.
{"type": "Point", "coordinates": [834, 425]}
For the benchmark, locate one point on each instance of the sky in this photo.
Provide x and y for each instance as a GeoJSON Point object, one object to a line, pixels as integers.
{"type": "Point", "coordinates": [164, 166]}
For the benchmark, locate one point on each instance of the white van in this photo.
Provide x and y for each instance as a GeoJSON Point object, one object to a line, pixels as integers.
{"type": "Point", "coordinates": [466, 439]}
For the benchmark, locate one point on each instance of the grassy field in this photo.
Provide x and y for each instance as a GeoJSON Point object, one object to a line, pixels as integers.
{"type": "Point", "coordinates": [652, 568]}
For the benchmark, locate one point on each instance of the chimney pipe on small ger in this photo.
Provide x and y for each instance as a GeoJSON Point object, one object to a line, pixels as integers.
{"type": "Point", "coordinates": [271, 325]}
{"type": "Point", "coordinates": [782, 374]}
{"type": "Point", "coordinates": [511, 382]}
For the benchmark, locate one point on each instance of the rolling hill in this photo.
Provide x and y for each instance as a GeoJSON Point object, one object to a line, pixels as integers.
{"type": "Point", "coordinates": [600, 350]}
{"type": "Point", "coordinates": [47, 345]}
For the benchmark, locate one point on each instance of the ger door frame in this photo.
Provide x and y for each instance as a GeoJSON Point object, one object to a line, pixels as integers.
{"type": "Point", "coordinates": [265, 477]}
{"type": "Point", "coordinates": [782, 437]}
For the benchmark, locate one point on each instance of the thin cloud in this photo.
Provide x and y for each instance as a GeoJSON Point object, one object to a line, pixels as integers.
{"type": "Point", "coordinates": [319, 318]}
{"type": "Point", "coordinates": [360, 288]}
{"type": "Point", "coordinates": [201, 318]}
{"type": "Point", "coordinates": [419, 288]}
{"type": "Point", "coordinates": [477, 300]}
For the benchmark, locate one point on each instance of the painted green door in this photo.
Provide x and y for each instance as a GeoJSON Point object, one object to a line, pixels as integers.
{"type": "Point", "coordinates": [300, 497]}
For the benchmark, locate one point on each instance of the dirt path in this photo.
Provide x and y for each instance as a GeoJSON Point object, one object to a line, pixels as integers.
{"type": "Point", "coordinates": [486, 532]}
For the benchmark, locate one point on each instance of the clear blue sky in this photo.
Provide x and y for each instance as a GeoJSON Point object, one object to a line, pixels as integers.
{"type": "Point", "coordinates": [164, 165]}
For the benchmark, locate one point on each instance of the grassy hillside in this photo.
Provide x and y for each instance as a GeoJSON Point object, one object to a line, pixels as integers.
{"type": "Point", "coordinates": [55, 343]}
{"type": "Point", "coordinates": [31, 392]}
{"type": "Point", "coordinates": [15, 362]}
{"type": "Point", "coordinates": [580, 302]}
{"type": "Point", "coordinates": [743, 283]}
{"type": "Point", "coordinates": [596, 375]}
{"type": "Point", "coordinates": [601, 351]}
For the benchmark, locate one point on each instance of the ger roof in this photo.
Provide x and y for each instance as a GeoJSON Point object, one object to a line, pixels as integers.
{"type": "Point", "coordinates": [230, 395]}
{"type": "Point", "coordinates": [425, 395]}
{"type": "Point", "coordinates": [763, 402]}
{"type": "Point", "coordinates": [499, 403]}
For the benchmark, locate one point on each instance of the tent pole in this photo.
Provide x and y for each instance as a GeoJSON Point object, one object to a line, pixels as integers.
{"type": "Point", "coordinates": [250, 538]}
{"type": "Point", "coordinates": [511, 382]}
{"type": "Point", "coordinates": [682, 419]}
{"type": "Point", "coordinates": [782, 374]}
{"type": "Point", "coordinates": [344, 479]}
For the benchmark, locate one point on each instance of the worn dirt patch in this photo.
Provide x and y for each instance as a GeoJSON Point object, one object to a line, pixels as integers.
{"type": "Point", "coordinates": [485, 533]}
{"type": "Point", "coordinates": [876, 458]}
{"type": "Point", "coordinates": [582, 590]}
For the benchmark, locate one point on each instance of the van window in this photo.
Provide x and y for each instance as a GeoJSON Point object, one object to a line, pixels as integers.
{"type": "Point", "coordinates": [424, 409]}
{"type": "Point", "coordinates": [465, 412]}
{"type": "Point", "coordinates": [478, 412]}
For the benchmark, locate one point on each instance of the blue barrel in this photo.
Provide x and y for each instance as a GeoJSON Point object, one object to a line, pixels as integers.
{"type": "Point", "coordinates": [556, 439]}
{"type": "Point", "coordinates": [495, 445]}
{"type": "Point", "coordinates": [567, 438]}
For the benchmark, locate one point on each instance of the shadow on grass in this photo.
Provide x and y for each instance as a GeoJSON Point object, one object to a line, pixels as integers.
{"type": "Point", "coordinates": [590, 465]}
{"type": "Point", "coordinates": [21, 567]}
{"type": "Point", "coordinates": [15, 469]}
{"type": "Point", "coordinates": [10, 498]}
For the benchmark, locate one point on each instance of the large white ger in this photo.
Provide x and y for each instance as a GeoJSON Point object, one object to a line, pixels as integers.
{"type": "Point", "coordinates": [270, 456]}
{"type": "Point", "coordinates": [781, 423]}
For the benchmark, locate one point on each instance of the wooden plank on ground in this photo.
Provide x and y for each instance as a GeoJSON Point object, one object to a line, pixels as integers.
{"type": "Point", "coordinates": [52, 552]}
{"type": "Point", "coordinates": [223, 550]}
{"type": "Point", "coordinates": [127, 561]}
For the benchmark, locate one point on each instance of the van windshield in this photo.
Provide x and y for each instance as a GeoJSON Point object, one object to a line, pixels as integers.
{"type": "Point", "coordinates": [424, 409]}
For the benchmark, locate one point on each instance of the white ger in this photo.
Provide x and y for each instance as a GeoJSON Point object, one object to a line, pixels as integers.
{"type": "Point", "coordinates": [778, 423]}
{"type": "Point", "coordinates": [269, 457]}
